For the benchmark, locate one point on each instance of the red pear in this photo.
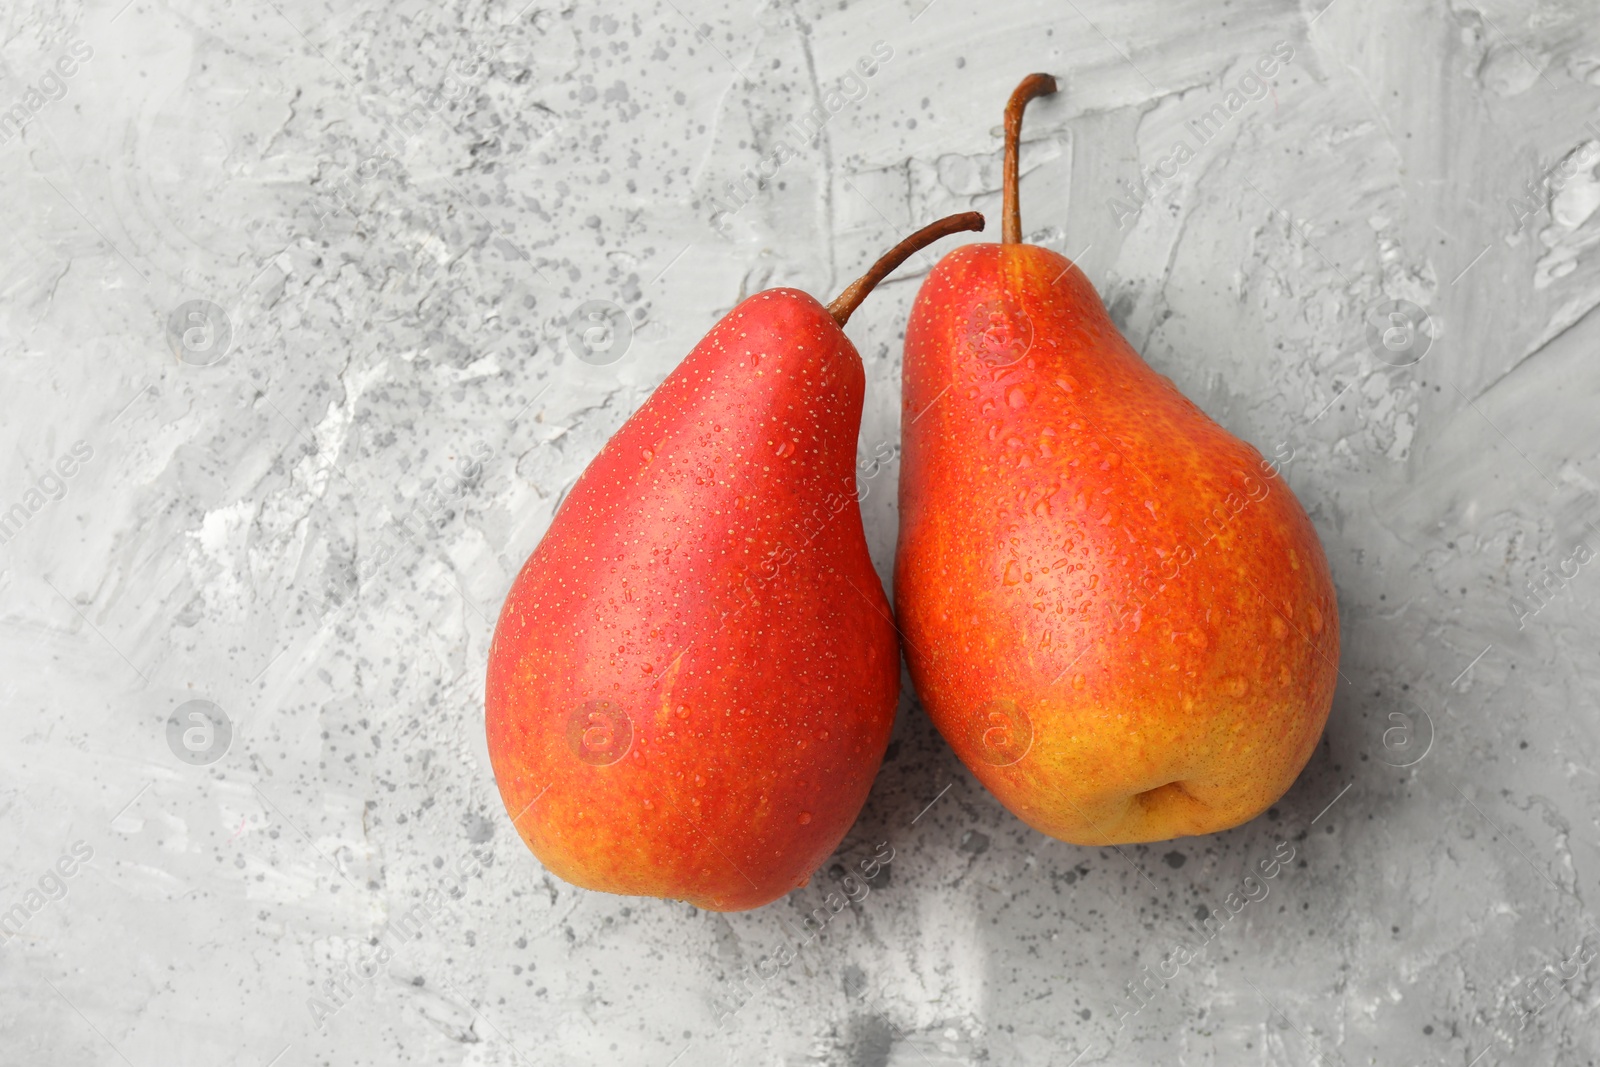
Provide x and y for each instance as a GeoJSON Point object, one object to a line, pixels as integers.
{"type": "Point", "coordinates": [1114, 610]}
{"type": "Point", "coordinates": [694, 676]}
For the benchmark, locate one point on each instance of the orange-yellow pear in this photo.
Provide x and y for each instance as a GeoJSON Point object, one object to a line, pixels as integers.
{"type": "Point", "coordinates": [1115, 611]}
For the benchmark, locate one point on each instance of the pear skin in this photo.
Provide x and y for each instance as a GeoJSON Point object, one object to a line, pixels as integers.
{"type": "Point", "coordinates": [689, 700]}
{"type": "Point", "coordinates": [1116, 612]}
{"type": "Point", "coordinates": [694, 676]}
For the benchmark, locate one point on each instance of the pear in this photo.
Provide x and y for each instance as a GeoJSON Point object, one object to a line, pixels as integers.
{"type": "Point", "coordinates": [1116, 612]}
{"type": "Point", "coordinates": [694, 676]}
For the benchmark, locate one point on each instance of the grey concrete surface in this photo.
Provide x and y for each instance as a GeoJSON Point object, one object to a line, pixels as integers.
{"type": "Point", "coordinates": [290, 394]}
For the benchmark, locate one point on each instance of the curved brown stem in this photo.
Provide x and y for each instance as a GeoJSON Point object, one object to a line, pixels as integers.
{"type": "Point", "coordinates": [845, 304]}
{"type": "Point", "coordinates": [1010, 214]}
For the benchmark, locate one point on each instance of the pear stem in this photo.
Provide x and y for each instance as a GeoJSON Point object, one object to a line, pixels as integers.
{"type": "Point", "coordinates": [1010, 213]}
{"type": "Point", "coordinates": [846, 303]}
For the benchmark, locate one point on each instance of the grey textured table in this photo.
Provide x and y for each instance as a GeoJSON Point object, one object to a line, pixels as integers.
{"type": "Point", "coordinates": [312, 312]}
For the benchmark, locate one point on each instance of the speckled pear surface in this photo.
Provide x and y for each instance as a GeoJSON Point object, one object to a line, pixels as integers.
{"type": "Point", "coordinates": [694, 676]}
{"type": "Point", "coordinates": [1116, 612]}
